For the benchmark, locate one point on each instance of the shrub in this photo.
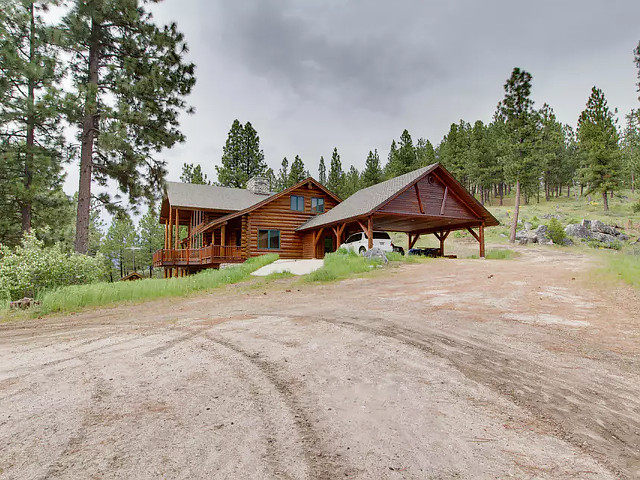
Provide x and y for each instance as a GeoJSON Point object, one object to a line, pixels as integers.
{"type": "Point", "coordinates": [556, 232]}
{"type": "Point", "coordinates": [636, 207]}
{"type": "Point", "coordinates": [31, 268]}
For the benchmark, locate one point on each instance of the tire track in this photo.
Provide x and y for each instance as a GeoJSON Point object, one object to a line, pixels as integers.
{"type": "Point", "coordinates": [498, 372]}
{"type": "Point", "coordinates": [321, 462]}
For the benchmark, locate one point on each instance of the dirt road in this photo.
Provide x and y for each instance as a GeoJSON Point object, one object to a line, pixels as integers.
{"type": "Point", "coordinates": [451, 369]}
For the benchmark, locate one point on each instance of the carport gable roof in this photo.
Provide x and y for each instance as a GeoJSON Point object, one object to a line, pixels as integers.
{"type": "Point", "coordinates": [366, 201]}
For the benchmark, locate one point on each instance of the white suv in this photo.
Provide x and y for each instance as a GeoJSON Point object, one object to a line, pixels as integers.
{"type": "Point", "coordinates": [358, 242]}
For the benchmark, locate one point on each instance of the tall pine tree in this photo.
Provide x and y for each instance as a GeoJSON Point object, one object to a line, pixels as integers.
{"type": "Point", "coordinates": [30, 131]}
{"type": "Point", "coordinates": [297, 173]}
{"type": "Point", "coordinates": [404, 159]}
{"type": "Point", "coordinates": [242, 157]}
{"type": "Point", "coordinates": [598, 146]}
{"type": "Point", "coordinates": [372, 173]}
{"type": "Point", "coordinates": [131, 80]}
{"type": "Point", "coordinates": [335, 179]}
{"type": "Point", "coordinates": [192, 173]}
{"type": "Point", "coordinates": [516, 110]}
{"type": "Point", "coordinates": [631, 147]}
{"type": "Point", "coordinates": [322, 172]}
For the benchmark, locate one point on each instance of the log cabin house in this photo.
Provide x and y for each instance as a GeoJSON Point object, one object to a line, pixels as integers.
{"type": "Point", "coordinates": [206, 226]}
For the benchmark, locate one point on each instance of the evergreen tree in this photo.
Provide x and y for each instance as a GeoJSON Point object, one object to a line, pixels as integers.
{"type": "Point", "coordinates": [352, 182]}
{"type": "Point", "coordinates": [271, 178]}
{"type": "Point", "coordinates": [631, 147]}
{"type": "Point", "coordinates": [31, 139]}
{"type": "Point", "coordinates": [192, 173]}
{"type": "Point", "coordinates": [335, 179]}
{"type": "Point", "coordinates": [231, 173]}
{"type": "Point", "coordinates": [454, 150]}
{"type": "Point", "coordinates": [636, 58]}
{"type": "Point", "coordinates": [404, 159]}
{"type": "Point", "coordinates": [253, 163]}
{"type": "Point", "coordinates": [242, 157]}
{"type": "Point", "coordinates": [130, 81]}
{"type": "Point", "coordinates": [322, 172]}
{"type": "Point", "coordinates": [117, 244]}
{"type": "Point", "coordinates": [425, 153]}
{"type": "Point", "coordinates": [550, 149]}
{"type": "Point", "coordinates": [391, 158]}
{"type": "Point", "coordinates": [598, 145]}
{"type": "Point", "coordinates": [282, 182]}
{"type": "Point", "coordinates": [516, 110]}
{"type": "Point", "coordinates": [297, 173]}
{"type": "Point", "coordinates": [372, 173]}
{"type": "Point", "coordinates": [151, 239]}
{"type": "Point", "coordinates": [482, 165]}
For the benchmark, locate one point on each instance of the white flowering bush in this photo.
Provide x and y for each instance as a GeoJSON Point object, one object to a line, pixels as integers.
{"type": "Point", "coordinates": [31, 268]}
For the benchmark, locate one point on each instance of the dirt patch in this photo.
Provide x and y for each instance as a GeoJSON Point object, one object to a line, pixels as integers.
{"type": "Point", "coordinates": [449, 369]}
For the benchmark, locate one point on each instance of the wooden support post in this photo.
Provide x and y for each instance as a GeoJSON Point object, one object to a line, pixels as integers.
{"type": "Point", "coordinates": [177, 228]}
{"type": "Point", "coordinates": [166, 233]}
{"type": "Point", "coordinates": [443, 237]}
{"type": "Point", "coordinates": [316, 238]}
{"type": "Point", "coordinates": [189, 245]}
{"type": "Point", "coordinates": [370, 232]}
{"type": "Point", "coordinates": [223, 234]}
{"type": "Point", "coordinates": [170, 239]}
{"type": "Point", "coordinates": [482, 241]}
{"type": "Point", "coordinates": [364, 229]}
{"type": "Point", "coordinates": [475, 235]}
{"type": "Point", "coordinates": [408, 243]}
{"type": "Point", "coordinates": [413, 240]}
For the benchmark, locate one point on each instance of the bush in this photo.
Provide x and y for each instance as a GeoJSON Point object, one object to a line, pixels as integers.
{"type": "Point", "coordinates": [636, 207]}
{"type": "Point", "coordinates": [31, 268]}
{"type": "Point", "coordinates": [556, 232]}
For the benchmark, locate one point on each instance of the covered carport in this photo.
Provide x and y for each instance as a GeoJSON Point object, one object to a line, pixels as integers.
{"type": "Point", "coordinates": [425, 201]}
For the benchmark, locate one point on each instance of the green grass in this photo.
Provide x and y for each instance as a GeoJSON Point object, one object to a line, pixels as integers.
{"type": "Point", "coordinates": [344, 264]}
{"type": "Point", "coordinates": [624, 267]}
{"type": "Point", "coordinates": [499, 254]}
{"type": "Point", "coordinates": [73, 298]}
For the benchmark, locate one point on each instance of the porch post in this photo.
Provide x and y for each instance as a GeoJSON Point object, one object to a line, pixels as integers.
{"type": "Point", "coordinates": [222, 234]}
{"type": "Point", "coordinates": [442, 237]}
{"type": "Point", "coordinates": [177, 228]}
{"type": "Point", "coordinates": [170, 237]}
{"type": "Point", "coordinates": [370, 231]}
{"type": "Point", "coordinates": [482, 241]}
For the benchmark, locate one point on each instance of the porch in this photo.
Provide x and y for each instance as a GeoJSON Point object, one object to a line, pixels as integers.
{"type": "Point", "coordinates": [211, 255]}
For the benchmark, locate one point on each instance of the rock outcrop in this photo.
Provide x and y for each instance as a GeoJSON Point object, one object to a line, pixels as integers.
{"type": "Point", "coordinates": [595, 230]}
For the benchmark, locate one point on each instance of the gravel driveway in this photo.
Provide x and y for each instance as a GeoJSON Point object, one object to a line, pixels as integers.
{"type": "Point", "coordinates": [450, 369]}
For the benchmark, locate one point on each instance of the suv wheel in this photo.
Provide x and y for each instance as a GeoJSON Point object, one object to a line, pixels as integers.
{"type": "Point", "coordinates": [362, 250]}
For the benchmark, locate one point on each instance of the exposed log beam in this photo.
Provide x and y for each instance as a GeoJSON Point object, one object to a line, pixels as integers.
{"type": "Point", "coordinates": [364, 229]}
{"type": "Point", "coordinates": [444, 199]}
{"type": "Point", "coordinates": [475, 235]}
{"type": "Point", "coordinates": [481, 241]}
{"type": "Point", "coordinates": [370, 232]}
{"type": "Point", "coordinates": [419, 199]}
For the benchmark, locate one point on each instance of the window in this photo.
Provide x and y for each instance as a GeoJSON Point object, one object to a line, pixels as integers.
{"type": "Point", "coordinates": [317, 205]}
{"type": "Point", "coordinates": [356, 237]}
{"type": "Point", "coordinates": [269, 239]}
{"type": "Point", "coordinates": [297, 203]}
{"type": "Point", "coordinates": [381, 236]}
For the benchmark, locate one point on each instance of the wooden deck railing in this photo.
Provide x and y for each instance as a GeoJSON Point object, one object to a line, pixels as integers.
{"type": "Point", "coordinates": [211, 254]}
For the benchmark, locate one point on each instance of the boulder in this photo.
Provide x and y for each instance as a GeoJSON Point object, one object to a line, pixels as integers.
{"type": "Point", "coordinates": [376, 253]}
{"type": "Point", "coordinates": [578, 231]}
{"type": "Point", "coordinates": [598, 226]}
{"type": "Point", "coordinates": [586, 224]}
{"type": "Point", "coordinates": [603, 237]}
{"type": "Point", "coordinates": [542, 235]}
{"type": "Point", "coordinates": [527, 226]}
{"type": "Point", "coordinates": [527, 235]}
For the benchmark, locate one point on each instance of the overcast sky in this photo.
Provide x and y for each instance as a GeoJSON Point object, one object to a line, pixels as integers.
{"type": "Point", "coordinates": [311, 75]}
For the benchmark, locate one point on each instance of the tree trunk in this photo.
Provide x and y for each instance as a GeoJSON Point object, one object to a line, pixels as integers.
{"type": "Point", "coordinates": [516, 211]}
{"type": "Point", "coordinates": [89, 125]}
{"type": "Point", "coordinates": [501, 192]}
{"type": "Point", "coordinates": [568, 191]}
{"type": "Point", "coordinates": [605, 201]}
{"type": "Point", "coordinates": [31, 121]}
{"type": "Point", "coordinates": [633, 182]}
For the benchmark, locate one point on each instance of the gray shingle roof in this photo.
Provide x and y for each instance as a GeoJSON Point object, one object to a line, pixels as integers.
{"type": "Point", "coordinates": [190, 195]}
{"type": "Point", "coordinates": [365, 200]}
